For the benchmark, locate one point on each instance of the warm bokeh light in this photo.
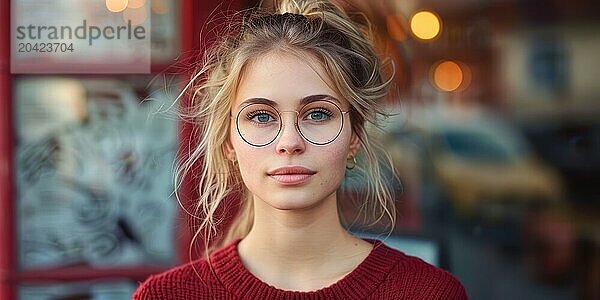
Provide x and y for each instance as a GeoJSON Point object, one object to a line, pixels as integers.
{"type": "Point", "coordinates": [447, 76]}
{"type": "Point", "coordinates": [394, 27]}
{"type": "Point", "coordinates": [136, 15]}
{"type": "Point", "coordinates": [116, 5]}
{"type": "Point", "coordinates": [425, 25]}
{"type": "Point", "coordinates": [160, 7]}
{"type": "Point", "coordinates": [136, 3]}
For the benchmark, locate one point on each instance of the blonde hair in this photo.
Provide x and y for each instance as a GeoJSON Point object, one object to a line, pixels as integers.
{"type": "Point", "coordinates": [317, 28]}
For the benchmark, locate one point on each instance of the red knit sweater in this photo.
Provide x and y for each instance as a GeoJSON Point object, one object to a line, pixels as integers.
{"type": "Point", "coordinates": [384, 274]}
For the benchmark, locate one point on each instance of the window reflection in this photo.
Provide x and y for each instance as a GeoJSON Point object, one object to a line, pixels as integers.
{"type": "Point", "coordinates": [78, 290]}
{"type": "Point", "coordinates": [93, 173]}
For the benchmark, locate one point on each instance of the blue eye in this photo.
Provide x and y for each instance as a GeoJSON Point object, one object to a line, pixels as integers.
{"type": "Point", "coordinates": [260, 117]}
{"type": "Point", "coordinates": [319, 114]}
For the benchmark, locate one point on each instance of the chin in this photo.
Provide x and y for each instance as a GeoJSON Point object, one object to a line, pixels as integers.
{"type": "Point", "coordinates": [291, 202]}
{"type": "Point", "coordinates": [295, 200]}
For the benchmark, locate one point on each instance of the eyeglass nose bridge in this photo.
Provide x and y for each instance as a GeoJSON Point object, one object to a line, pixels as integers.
{"type": "Point", "coordinates": [290, 111]}
{"type": "Point", "coordinates": [282, 123]}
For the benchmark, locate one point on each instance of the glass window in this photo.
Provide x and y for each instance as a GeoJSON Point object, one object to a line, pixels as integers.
{"type": "Point", "coordinates": [94, 176]}
{"type": "Point", "coordinates": [78, 290]}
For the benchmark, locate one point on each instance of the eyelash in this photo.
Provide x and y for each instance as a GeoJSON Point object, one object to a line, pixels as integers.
{"type": "Point", "coordinates": [320, 110]}
{"type": "Point", "coordinates": [253, 114]}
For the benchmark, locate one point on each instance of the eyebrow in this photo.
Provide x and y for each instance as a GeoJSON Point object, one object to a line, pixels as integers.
{"type": "Point", "coordinates": [313, 98]}
{"type": "Point", "coordinates": [303, 101]}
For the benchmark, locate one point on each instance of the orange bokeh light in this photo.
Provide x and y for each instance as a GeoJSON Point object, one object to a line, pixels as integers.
{"type": "Point", "coordinates": [116, 5]}
{"type": "Point", "coordinates": [136, 15]}
{"type": "Point", "coordinates": [394, 27]}
{"type": "Point", "coordinates": [425, 25]}
{"type": "Point", "coordinates": [160, 7]}
{"type": "Point", "coordinates": [448, 76]}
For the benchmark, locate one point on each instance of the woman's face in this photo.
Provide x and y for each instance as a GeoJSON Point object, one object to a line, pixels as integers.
{"type": "Point", "coordinates": [290, 172]}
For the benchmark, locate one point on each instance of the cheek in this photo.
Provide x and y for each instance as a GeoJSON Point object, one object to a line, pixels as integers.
{"type": "Point", "coordinates": [334, 155]}
{"type": "Point", "coordinates": [248, 158]}
{"type": "Point", "coordinates": [249, 162]}
{"type": "Point", "coordinates": [332, 159]}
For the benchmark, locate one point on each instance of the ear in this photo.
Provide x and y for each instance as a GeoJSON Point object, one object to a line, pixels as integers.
{"type": "Point", "coordinates": [354, 144]}
{"type": "Point", "coordinates": [229, 151]}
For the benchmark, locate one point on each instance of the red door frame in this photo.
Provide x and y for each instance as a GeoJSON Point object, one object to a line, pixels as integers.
{"type": "Point", "coordinates": [193, 15]}
{"type": "Point", "coordinates": [7, 228]}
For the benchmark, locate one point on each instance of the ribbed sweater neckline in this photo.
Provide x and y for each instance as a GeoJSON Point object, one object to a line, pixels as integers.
{"type": "Point", "coordinates": [358, 284]}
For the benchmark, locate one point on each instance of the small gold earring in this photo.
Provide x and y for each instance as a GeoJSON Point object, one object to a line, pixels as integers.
{"type": "Point", "coordinates": [351, 162]}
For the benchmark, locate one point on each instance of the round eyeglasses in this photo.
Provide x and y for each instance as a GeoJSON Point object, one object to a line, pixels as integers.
{"type": "Point", "coordinates": [318, 122]}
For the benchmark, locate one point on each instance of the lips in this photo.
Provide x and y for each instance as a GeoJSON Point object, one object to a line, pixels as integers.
{"type": "Point", "coordinates": [291, 175]}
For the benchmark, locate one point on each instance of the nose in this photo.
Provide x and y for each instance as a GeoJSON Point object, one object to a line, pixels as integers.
{"type": "Point", "coordinates": [290, 141]}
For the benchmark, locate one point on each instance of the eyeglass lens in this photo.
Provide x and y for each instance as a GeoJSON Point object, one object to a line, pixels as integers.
{"type": "Point", "coordinates": [319, 122]}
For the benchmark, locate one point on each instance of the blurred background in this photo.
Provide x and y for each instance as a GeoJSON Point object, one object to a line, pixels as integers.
{"type": "Point", "coordinates": [496, 140]}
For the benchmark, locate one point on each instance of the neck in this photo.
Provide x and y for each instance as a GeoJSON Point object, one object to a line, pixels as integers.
{"type": "Point", "coordinates": [308, 241]}
{"type": "Point", "coordinates": [296, 235]}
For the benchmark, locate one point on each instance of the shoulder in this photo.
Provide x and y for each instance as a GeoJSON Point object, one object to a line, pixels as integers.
{"type": "Point", "coordinates": [194, 280]}
{"type": "Point", "coordinates": [413, 278]}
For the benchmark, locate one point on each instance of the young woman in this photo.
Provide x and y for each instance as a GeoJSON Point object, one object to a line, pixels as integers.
{"type": "Point", "coordinates": [283, 105]}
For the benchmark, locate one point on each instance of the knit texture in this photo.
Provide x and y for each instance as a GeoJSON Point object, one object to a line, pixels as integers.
{"type": "Point", "coordinates": [384, 274]}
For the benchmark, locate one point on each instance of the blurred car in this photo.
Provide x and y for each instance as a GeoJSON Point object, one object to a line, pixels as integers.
{"type": "Point", "coordinates": [573, 147]}
{"type": "Point", "coordinates": [474, 160]}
